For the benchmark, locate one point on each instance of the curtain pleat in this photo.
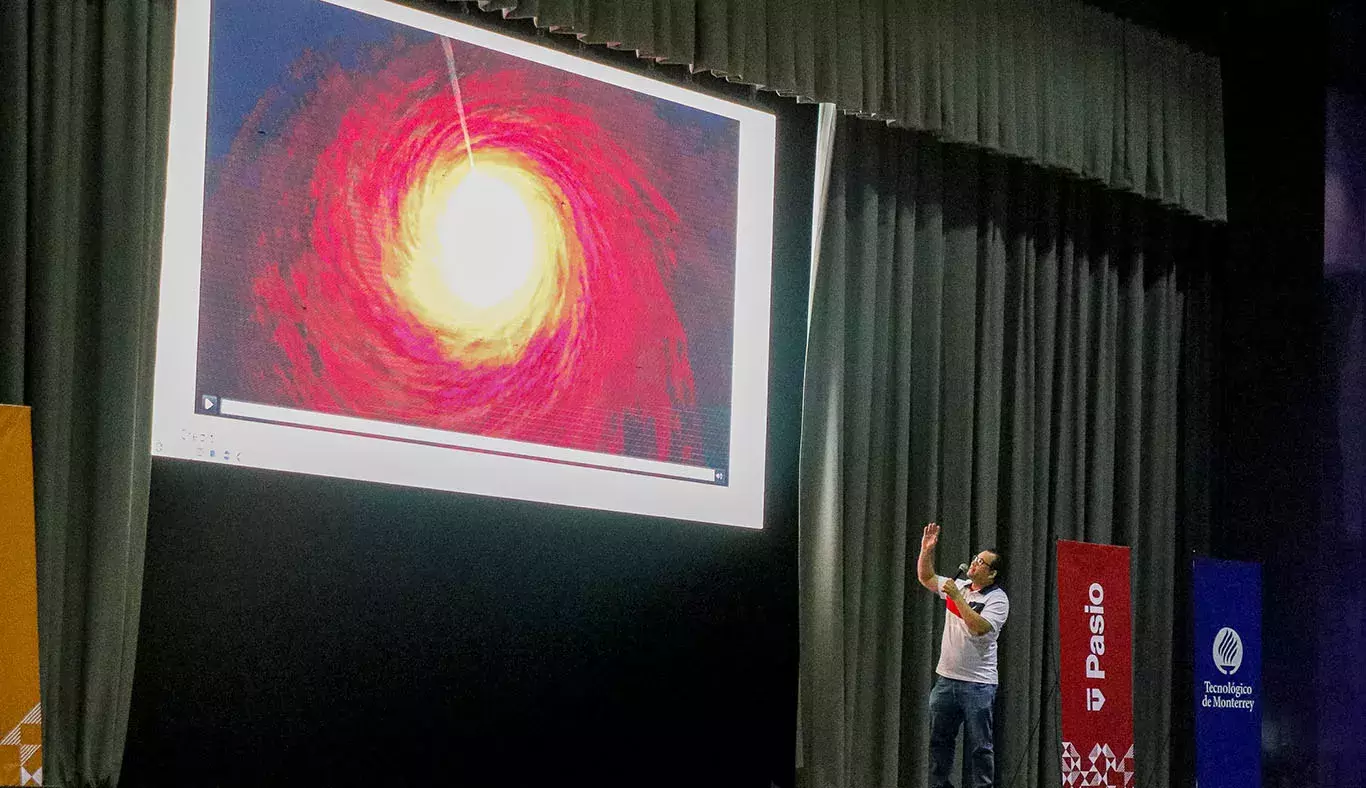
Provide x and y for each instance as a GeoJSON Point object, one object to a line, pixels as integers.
{"type": "Point", "coordinates": [86, 109]}
{"type": "Point", "coordinates": [998, 348]}
{"type": "Point", "coordinates": [662, 30]}
{"type": "Point", "coordinates": [1054, 82]}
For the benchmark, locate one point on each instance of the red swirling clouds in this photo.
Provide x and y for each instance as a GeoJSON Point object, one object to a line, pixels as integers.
{"type": "Point", "coordinates": [521, 296]}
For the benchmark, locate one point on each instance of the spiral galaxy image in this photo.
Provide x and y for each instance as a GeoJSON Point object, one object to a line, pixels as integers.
{"type": "Point", "coordinates": [408, 228]}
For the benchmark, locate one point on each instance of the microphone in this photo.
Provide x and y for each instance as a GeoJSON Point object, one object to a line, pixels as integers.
{"type": "Point", "coordinates": [962, 570]}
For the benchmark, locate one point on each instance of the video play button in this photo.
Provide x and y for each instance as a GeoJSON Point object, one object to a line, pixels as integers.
{"type": "Point", "coordinates": [208, 403]}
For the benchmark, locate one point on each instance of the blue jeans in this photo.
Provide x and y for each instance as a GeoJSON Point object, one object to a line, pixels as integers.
{"type": "Point", "coordinates": [967, 703]}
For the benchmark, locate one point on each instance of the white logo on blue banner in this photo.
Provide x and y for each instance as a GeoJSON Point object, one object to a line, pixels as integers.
{"type": "Point", "coordinates": [1228, 673]}
{"type": "Point", "coordinates": [1228, 651]}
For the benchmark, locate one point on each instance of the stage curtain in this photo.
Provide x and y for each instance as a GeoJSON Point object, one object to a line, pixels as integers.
{"type": "Point", "coordinates": [84, 99]}
{"type": "Point", "coordinates": [1004, 350]}
{"type": "Point", "coordinates": [1054, 82]}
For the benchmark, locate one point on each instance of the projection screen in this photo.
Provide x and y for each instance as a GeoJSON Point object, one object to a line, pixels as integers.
{"type": "Point", "coordinates": [407, 250]}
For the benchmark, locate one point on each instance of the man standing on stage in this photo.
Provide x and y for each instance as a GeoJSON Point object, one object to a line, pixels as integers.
{"type": "Point", "coordinates": [965, 688]}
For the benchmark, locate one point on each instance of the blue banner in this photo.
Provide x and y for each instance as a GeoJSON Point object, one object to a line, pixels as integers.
{"type": "Point", "coordinates": [1227, 600]}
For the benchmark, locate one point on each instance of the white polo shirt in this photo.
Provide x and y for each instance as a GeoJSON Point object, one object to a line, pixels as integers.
{"type": "Point", "coordinates": [962, 655]}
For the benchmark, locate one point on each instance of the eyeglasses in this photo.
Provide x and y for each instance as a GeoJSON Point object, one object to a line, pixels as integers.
{"type": "Point", "coordinates": [977, 559]}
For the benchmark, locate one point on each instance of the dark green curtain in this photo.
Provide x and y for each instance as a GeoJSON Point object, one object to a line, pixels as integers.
{"type": "Point", "coordinates": [1001, 349]}
{"type": "Point", "coordinates": [84, 98]}
{"type": "Point", "coordinates": [1055, 82]}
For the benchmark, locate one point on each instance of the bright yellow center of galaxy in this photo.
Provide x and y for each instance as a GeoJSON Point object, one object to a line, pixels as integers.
{"type": "Point", "coordinates": [481, 258]}
{"type": "Point", "coordinates": [486, 237]}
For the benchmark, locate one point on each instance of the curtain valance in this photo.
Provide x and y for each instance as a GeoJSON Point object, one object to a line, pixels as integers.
{"type": "Point", "coordinates": [1054, 82]}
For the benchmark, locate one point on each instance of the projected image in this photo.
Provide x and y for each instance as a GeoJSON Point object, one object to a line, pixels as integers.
{"type": "Point", "coordinates": [406, 228]}
{"type": "Point", "coordinates": [403, 249]}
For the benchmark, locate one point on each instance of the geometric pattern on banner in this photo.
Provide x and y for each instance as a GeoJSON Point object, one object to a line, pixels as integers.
{"type": "Point", "coordinates": [21, 747]}
{"type": "Point", "coordinates": [1099, 768]}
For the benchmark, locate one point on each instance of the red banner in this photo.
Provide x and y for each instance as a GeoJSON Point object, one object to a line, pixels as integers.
{"type": "Point", "coordinates": [1095, 636]}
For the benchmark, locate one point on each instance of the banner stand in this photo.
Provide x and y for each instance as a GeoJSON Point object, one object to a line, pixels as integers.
{"type": "Point", "coordinates": [1095, 640]}
{"type": "Point", "coordinates": [1226, 601]}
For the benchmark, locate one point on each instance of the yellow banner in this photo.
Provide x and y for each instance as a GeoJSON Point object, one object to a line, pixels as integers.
{"type": "Point", "coordinates": [21, 715]}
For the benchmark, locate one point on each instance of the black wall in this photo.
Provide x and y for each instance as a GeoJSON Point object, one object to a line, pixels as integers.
{"type": "Point", "coordinates": [1280, 404]}
{"type": "Point", "coordinates": [1342, 697]}
{"type": "Point", "coordinates": [300, 630]}
{"type": "Point", "coordinates": [1273, 406]}
{"type": "Point", "coordinates": [1271, 424]}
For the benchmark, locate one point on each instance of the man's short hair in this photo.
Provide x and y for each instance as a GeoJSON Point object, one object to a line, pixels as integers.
{"type": "Point", "coordinates": [998, 564]}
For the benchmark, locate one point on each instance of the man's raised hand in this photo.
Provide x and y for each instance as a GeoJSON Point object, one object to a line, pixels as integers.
{"type": "Point", "coordinates": [930, 538]}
